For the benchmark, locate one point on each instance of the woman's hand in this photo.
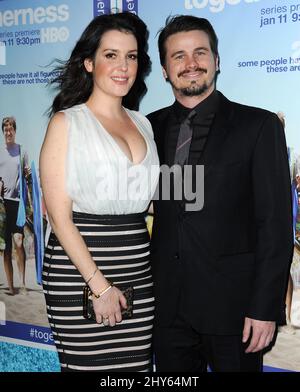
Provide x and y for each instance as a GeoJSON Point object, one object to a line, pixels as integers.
{"type": "Point", "coordinates": [108, 307]}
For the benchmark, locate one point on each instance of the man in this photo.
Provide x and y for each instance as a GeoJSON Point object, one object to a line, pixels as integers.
{"type": "Point", "coordinates": [10, 160]}
{"type": "Point", "coordinates": [220, 273]}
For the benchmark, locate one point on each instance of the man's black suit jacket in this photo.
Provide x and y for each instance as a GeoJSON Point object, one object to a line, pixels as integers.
{"type": "Point", "coordinates": [231, 259]}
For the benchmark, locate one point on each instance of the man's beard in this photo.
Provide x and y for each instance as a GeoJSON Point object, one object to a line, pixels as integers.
{"type": "Point", "coordinates": [193, 90]}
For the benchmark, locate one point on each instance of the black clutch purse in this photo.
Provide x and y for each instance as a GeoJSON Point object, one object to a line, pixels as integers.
{"type": "Point", "coordinates": [88, 309]}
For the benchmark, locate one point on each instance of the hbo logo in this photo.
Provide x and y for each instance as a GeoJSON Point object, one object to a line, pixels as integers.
{"type": "Point", "coordinates": [54, 34]}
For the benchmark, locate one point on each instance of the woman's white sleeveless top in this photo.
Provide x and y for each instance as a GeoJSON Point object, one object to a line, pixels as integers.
{"type": "Point", "coordinates": [100, 178]}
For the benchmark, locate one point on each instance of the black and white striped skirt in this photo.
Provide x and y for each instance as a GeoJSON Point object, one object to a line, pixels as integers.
{"type": "Point", "coordinates": [119, 245]}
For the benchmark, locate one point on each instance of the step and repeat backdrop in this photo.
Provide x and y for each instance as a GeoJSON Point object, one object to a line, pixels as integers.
{"type": "Point", "coordinates": [259, 45]}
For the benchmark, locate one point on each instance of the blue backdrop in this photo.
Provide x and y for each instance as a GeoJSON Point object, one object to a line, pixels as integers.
{"type": "Point", "coordinates": [259, 44]}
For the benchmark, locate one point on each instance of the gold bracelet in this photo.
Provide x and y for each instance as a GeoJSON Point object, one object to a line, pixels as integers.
{"type": "Point", "coordinates": [104, 290]}
{"type": "Point", "coordinates": [91, 277]}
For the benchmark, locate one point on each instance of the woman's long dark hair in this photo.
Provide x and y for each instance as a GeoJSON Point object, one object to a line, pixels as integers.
{"type": "Point", "coordinates": [75, 84]}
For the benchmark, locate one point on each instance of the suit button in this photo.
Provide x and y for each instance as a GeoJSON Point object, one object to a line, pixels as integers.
{"type": "Point", "coordinates": [176, 256]}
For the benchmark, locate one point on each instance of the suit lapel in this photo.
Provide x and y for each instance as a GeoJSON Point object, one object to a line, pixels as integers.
{"type": "Point", "coordinates": [161, 135]}
{"type": "Point", "coordinates": [217, 135]}
{"type": "Point", "coordinates": [169, 151]}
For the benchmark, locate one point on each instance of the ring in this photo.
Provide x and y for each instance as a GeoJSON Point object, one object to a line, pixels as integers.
{"type": "Point", "coordinates": [105, 321]}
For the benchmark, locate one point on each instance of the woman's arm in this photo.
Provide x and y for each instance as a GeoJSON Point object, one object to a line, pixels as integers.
{"type": "Point", "coordinates": [59, 209]}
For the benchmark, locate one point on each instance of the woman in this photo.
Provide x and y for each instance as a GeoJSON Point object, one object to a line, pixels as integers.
{"type": "Point", "coordinates": [95, 204]}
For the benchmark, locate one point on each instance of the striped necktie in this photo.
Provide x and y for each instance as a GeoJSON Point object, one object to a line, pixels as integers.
{"type": "Point", "coordinates": [184, 140]}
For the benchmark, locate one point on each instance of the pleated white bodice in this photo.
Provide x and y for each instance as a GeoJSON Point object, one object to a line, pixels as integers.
{"type": "Point", "coordinates": [100, 178]}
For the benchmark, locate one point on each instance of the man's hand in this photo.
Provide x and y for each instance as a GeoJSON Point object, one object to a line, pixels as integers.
{"type": "Point", "coordinates": [262, 334]}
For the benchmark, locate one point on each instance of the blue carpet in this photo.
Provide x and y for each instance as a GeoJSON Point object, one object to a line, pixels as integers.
{"type": "Point", "coordinates": [269, 369]}
{"type": "Point", "coordinates": [16, 358]}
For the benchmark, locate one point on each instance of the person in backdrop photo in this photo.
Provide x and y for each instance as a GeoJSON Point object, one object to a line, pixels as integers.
{"type": "Point", "coordinates": [13, 166]}
{"type": "Point", "coordinates": [2, 218]}
{"type": "Point", "coordinates": [294, 275]}
{"type": "Point", "coordinates": [95, 147]}
{"type": "Point", "coordinates": [220, 265]}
